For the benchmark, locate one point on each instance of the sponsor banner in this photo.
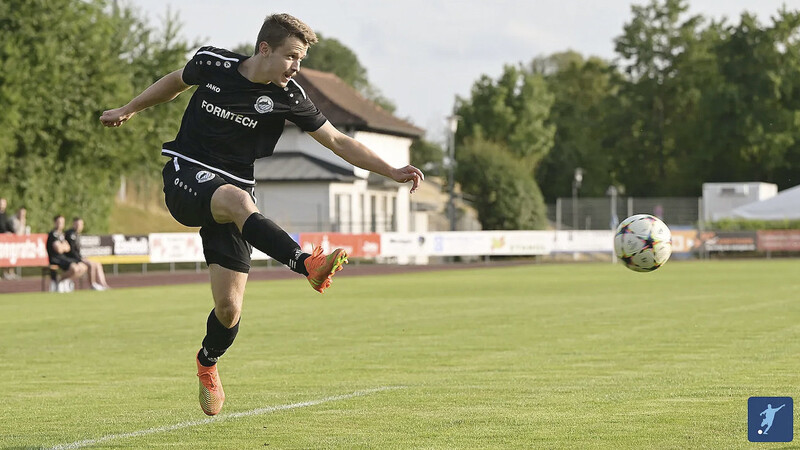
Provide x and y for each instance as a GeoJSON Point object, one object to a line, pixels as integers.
{"type": "Point", "coordinates": [130, 245]}
{"type": "Point", "coordinates": [116, 244]}
{"type": "Point", "coordinates": [96, 246]}
{"type": "Point", "coordinates": [685, 241]}
{"type": "Point", "coordinates": [779, 240]}
{"type": "Point", "coordinates": [729, 241]}
{"type": "Point", "coordinates": [468, 243]}
{"type": "Point", "coordinates": [21, 251]}
{"type": "Point", "coordinates": [583, 241]}
{"type": "Point", "coordinates": [458, 243]}
{"type": "Point", "coordinates": [366, 245]}
{"type": "Point", "coordinates": [520, 242]}
{"type": "Point", "coordinates": [176, 247]}
{"type": "Point", "coordinates": [402, 244]}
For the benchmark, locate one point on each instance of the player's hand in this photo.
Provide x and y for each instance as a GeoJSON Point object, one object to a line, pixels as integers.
{"type": "Point", "coordinates": [115, 117]}
{"type": "Point", "coordinates": [408, 173]}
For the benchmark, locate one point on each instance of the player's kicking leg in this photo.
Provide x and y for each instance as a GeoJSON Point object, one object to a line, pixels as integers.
{"type": "Point", "coordinates": [231, 204]}
{"type": "Point", "coordinates": [222, 326]}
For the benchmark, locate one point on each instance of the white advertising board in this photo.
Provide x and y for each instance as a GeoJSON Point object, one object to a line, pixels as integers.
{"type": "Point", "coordinates": [583, 241]}
{"type": "Point", "coordinates": [402, 244]}
{"type": "Point", "coordinates": [520, 242]}
{"type": "Point", "coordinates": [176, 247]}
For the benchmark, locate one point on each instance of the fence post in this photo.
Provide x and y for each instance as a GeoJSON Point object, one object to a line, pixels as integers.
{"type": "Point", "coordinates": [558, 213]}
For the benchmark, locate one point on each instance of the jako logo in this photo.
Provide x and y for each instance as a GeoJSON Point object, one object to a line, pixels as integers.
{"type": "Point", "coordinates": [204, 176]}
{"type": "Point", "coordinates": [213, 88]}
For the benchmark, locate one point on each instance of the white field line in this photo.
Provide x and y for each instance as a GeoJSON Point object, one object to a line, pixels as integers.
{"type": "Point", "coordinates": [224, 417]}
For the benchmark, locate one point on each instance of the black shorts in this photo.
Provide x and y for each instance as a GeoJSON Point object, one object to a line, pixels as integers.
{"type": "Point", "coordinates": [187, 192]}
{"type": "Point", "coordinates": [63, 261]}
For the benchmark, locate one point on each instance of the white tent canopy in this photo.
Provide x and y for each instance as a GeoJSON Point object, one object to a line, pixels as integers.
{"type": "Point", "coordinates": [783, 206]}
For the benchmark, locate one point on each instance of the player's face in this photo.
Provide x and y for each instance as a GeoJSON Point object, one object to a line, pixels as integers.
{"type": "Point", "coordinates": [283, 63]}
{"type": "Point", "coordinates": [60, 223]}
{"type": "Point", "coordinates": [78, 225]}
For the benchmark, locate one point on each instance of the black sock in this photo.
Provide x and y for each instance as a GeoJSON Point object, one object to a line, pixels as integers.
{"type": "Point", "coordinates": [218, 339]}
{"type": "Point", "coordinates": [268, 237]}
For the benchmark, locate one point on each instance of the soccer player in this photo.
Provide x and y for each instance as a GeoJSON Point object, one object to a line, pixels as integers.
{"type": "Point", "coordinates": [237, 115]}
{"type": "Point", "coordinates": [97, 277]}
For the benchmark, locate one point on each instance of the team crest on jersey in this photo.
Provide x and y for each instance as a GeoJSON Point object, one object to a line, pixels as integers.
{"type": "Point", "coordinates": [227, 64]}
{"type": "Point", "coordinates": [264, 104]}
{"type": "Point", "coordinates": [204, 176]}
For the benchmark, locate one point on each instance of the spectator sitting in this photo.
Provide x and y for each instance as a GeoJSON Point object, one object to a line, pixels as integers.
{"type": "Point", "coordinates": [97, 276]}
{"type": "Point", "coordinates": [57, 251]}
{"type": "Point", "coordinates": [18, 226]}
{"type": "Point", "coordinates": [18, 222]}
{"type": "Point", "coordinates": [5, 224]}
{"type": "Point", "coordinates": [6, 227]}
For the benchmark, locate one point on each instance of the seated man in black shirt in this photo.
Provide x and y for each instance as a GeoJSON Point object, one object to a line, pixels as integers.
{"type": "Point", "coordinates": [97, 276]}
{"type": "Point", "coordinates": [58, 254]}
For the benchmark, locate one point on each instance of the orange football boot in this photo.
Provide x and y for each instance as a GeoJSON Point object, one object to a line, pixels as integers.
{"type": "Point", "coordinates": [211, 394]}
{"type": "Point", "coordinates": [321, 268]}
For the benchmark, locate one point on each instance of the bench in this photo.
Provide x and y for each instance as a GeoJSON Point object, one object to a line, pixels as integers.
{"type": "Point", "coordinates": [50, 273]}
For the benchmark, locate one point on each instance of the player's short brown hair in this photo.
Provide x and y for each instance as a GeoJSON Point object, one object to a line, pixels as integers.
{"type": "Point", "coordinates": [278, 27]}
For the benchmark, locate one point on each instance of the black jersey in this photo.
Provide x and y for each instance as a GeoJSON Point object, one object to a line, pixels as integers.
{"type": "Point", "coordinates": [72, 238]}
{"type": "Point", "coordinates": [231, 121]}
{"type": "Point", "coordinates": [53, 236]}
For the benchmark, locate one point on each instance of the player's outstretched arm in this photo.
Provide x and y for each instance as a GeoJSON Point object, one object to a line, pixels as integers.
{"type": "Point", "coordinates": [361, 156]}
{"type": "Point", "coordinates": [162, 91]}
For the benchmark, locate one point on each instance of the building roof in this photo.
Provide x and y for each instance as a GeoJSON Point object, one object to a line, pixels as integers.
{"type": "Point", "coordinates": [345, 107]}
{"type": "Point", "coordinates": [299, 166]}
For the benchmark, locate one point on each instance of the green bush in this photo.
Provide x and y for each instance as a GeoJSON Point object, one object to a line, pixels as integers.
{"type": "Point", "coordinates": [748, 225]}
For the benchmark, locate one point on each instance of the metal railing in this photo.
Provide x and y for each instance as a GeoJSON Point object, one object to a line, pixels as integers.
{"type": "Point", "coordinates": [599, 213]}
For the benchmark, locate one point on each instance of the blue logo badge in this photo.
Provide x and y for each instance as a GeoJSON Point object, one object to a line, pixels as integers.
{"type": "Point", "coordinates": [770, 419]}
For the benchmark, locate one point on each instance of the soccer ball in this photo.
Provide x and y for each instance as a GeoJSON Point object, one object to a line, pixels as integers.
{"type": "Point", "coordinates": [643, 242]}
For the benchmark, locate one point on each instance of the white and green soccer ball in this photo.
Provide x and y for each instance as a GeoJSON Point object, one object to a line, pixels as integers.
{"type": "Point", "coordinates": [643, 242]}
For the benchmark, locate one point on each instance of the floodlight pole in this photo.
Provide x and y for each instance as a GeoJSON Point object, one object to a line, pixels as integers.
{"type": "Point", "coordinates": [576, 184]}
{"type": "Point", "coordinates": [452, 123]}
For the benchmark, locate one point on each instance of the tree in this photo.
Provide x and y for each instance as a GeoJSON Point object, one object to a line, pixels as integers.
{"type": "Point", "coordinates": [756, 103]}
{"type": "Point", "coordinates": [58, 157]}
{"type": "Point", "coordinates": [511, 113]}
{"type": "Point", "coordinates": [514, 110]}
{"type": "Point", "coordinates": [582, 92]}
{"type": "Point", "coordinates": [506, 196]}
{"type": "Point", "coordinates": [653, 94]}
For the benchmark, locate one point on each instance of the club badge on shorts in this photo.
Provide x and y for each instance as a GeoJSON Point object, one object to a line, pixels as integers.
{"type": "Point", "coordinates": [204, 176]}
{"type": "Point", "coordinates": [264, 104]}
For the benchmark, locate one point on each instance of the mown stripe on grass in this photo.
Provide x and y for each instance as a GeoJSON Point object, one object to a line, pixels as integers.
{"type": "Point", "coordinates": [224, 417]}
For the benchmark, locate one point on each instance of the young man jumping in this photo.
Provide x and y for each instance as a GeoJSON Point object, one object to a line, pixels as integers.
{"type": "Point", "coordinates": [235, 116]}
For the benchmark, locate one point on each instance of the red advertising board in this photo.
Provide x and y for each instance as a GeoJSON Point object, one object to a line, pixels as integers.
{"type": "Point", "coordinates": [367, 245]}
{"type": "Point", "coordinates": [779, 240]}
{"type": "Point", "coordinates": [19, 251]}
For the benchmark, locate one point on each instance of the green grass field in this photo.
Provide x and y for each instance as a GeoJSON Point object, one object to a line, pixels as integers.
{"type": "Point", "coordinates": [540, 356]}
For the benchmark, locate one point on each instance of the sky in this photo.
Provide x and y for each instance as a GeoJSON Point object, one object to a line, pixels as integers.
{"type": "Point", "coordinates": [421, 54]}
